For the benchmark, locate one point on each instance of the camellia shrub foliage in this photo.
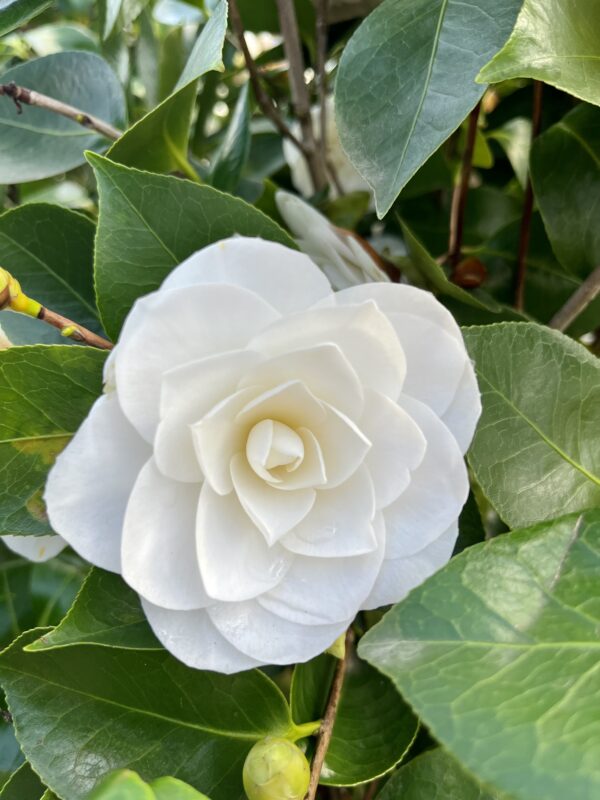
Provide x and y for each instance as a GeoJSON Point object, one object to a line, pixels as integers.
{"type": "Point", "coordinates": [299, 399]}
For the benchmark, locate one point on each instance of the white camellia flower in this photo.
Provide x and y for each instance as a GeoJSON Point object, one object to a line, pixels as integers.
{"type": "Point", "coordinates": [349, 178]}
{"type": "Point", "coordinates": [270, 457]}
{"type": "Point", "coordinates": [341, 256]}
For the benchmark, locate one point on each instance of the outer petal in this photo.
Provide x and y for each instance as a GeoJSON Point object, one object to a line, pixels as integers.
{"type": "Point", "coordinates": [35, 548]}
{"type": "Point", "coordinates": [318, 591]}
{"type": "Point", "coordinates": [437, 492]}
{"type": "Point", "coordinates": [187, 394]}
{"type": "Point", "coordinates": [235, 561]}
{"type": "Point", "coordinates": [343, 445]}
{"type": "Point", "coordinates": [269, 638]}
{"type": "Point", "coordinates": [287, 279]}
{"type": "Point", "coordinates": [192, 638]}
{"type": "Point", "coordinates": [339, 523]}
{"type": "Point", "coordinates": [363, 333]}
{"type": "Point", "coordinates": [398, 446]}
{"type": "Point", "coordinates": [173, 327]}
{"type": "Point", "coordinates": [89, 486]}
{"type": "Point", "coordinates": [398, 576]}
{"type": "Point", "coordinates": [159, 548]}
{"type": "Point", "coordinates": [462, 415]}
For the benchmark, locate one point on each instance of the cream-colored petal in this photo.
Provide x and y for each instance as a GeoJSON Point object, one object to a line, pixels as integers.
{"type": "Point", "coordinates": [343, 445]}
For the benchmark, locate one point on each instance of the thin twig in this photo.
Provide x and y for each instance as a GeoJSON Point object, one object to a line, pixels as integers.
{"type": "Point", "coordinates": [266, 104]}
{"type": "Point", "coordinates": [371, 790]}
{"type": "Point", "coordinates": [321, 39]}
{"type": "Point", "coordinates": [461, 190]}
{"type": "Point", "coordinates": [20, 94]}
{"type": "Point", "coordinates": [578, 302]}
{"type": "Point", "coordinates": [328, 721]}
{"type": "Point", "coordinates": [74, 331]}
{"type": "Point", "coordinates": [525, 231]}
{"type": "Point", "coordinates": [299, 91]}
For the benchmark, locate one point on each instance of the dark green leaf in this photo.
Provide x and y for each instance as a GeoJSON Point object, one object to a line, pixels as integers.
{"type": "Point", "coordinates": [45, 393]}
{"type": "Point", "coordinates": [23, 784]}
{"type": "Point", "coordinates": [514, 137]}
{"type": "Point", "coordinates": [50, 250]}
{"type": "Point", "coordinates": [207, 52]}
{"type": "Point", "coordinates": [84, 711]}
{"type": "Point", "coordinates": [434, 775]}
{"type": "Point", "coordinates": [230, 159]}
{"type": "Point", "coordinates": [10, 752]}
{"type": "Point", "coordinates": [410, 69]}
{"type": "Point", "coordinates": [554, 42]}
{"type": "Point", "coordinates": [150, 223]}
{"type": "Point", "coordinates": [39, 143]}
{"type": "Point", "coordinates": [498, 654]}
{"type": "Point", "coordinates": [310, 688]}
{"type": "Point", "coordinates": [106, 612]}
{"type": "Point", "coordinates": [536, 451]}
{"type": "Point", "coordinates": [470, 526]}
{"type": "Point", "coordinates": [14, 13]}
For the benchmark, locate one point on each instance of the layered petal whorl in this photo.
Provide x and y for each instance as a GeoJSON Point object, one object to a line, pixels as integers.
{"type": "Point", "coordinates": [270, 457]}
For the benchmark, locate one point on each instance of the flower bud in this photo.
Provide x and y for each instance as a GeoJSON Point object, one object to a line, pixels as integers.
{"type": "Point", "coordinates": [4, 289]}
{"type": "Point", "coordinates": [276, 769]}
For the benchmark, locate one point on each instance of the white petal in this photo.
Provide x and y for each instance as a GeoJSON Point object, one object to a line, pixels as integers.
{"type": "Point", "coordinates": [397, 446]}
{"type": "Point", "coordinates": [176, 326]}
{"type": "Point", "coordinates": [89, 485]}
{"type": "Point", "coordinates": [274, 512]}
{"type": "Point", "coordinates": [193, 639]}
{"type": "Point", "coordinates": [323, 368]}
{"type": "Point", "coordinates": [463, 413]}
{"type": "Point", "coordinates": [291, 403]}
{"type": "Point", "coordinates": [35, 548]}
{"type": "Point", "coordinates": [437, 492]}
{"type": "Point", "coordinates": [343, 445]}
{"type": "Point", "coordinates": [287, 279]}
{"type": "Point", "coordinates": [269, 638]}
{"type": "Point", "coordinates": [363, 333]}
{"type": "Point", "coordinates": [235, 561]}
{"type": "Point", "coordinates": [188, 393]}
{"type": "Point", "coordinates": [159, 541]}
{"type": "Point", "coordinates": [312, 472]}
{"type": "Point", "coordinates": [398, 576]}
{"type": "Point", "coordinates": [340, 522]}
{"type": "Point", "coordinates": [319, 591]}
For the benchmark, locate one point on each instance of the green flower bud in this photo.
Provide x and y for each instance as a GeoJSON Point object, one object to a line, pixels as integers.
{"type": "Point", "coordinates": [276, 769]}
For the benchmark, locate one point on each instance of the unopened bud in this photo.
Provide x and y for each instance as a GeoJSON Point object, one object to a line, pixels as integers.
{"type": "Point", "coordinates": [276, 769]}
{"type": "Point", "coordinates": [4, 288]}
{"type": "Point", "coordinates": [11, 296]}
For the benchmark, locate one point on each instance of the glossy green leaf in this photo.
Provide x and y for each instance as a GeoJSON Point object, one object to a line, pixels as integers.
{"type": "Point", "coordinates": [171, 219]}
{"type": "Point", "coordinates": [230, 158]}
{"type": "Point", "coordinates": [498, 654]}
{"type": "Point", "coordinates": [63, 382]}
{"type": "Point", "coordinates": [514, 137]}
{"type": "Point", "coordinates": [311, 682]}
{"type": "Point", "coordinates": [554, 42]}
{"type": "Point", "coordinates": [23, 784]}
{"type": "Point", "coordinates": [434, 775]}
{"type": "Point", "coordinates": [207, 52]}
{"type": "Point", "coordinates": [410, 68]}
{"type": "Point", "coordinates": [122, 785]}
{"type": "Point", "coordinates": [173, 789]}
{"type": "Point", "coordinates": [106, 612]}
{"type": "Point", "coordinates": [50, 250]}
{"type": "Point", "coordinates": [536, 451]}
{"type": "Point", "coordinates": [10, 753]}
{"type": "Point", "coordinates": [14, 13]}
{"type": "Point", "coordinates": [565, 170]}
{"type": "Point", "coordinates": [37, 143]}
{"type": "Point", "coordinates": [84, 711]}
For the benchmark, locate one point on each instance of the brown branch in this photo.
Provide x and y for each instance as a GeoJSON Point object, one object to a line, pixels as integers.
{"type": "Point", "coordinates": [461, 190]}
{"type": "Point", "coordinates": [72, 330]}
{"type": "Point", "coordinates": [578, 302]}
{"type": "Point", "coordinates": [19, 95]}
{"type": "Point", "coordinates": [525, 231]}
{"type": "Point", "coordinates": [326, 728]}
{"type": "Point", "coordinates": [371, 790]}
{"type": "Point", "coordinates": [265, 103]}
{"type": "Point", "coordinates": [299, 90]}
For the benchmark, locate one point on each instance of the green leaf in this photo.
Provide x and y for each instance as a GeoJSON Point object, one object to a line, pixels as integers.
{"type": "Point", "coordinates": [207, 52]}
{"type": "Point", "coordinates": [554, 42]}
{"type": "Point", "coordinates": [84, 711]}
{"type": "Point", "coordinates": [111, 13]}
{"type": "Point", "coordinates": [434, 775]}
{"type": "Point", "coordinates": [565, 171]}
{"type": "Point", "coordinates": [45, 393]}
{"type": "Point", "coordinates": [50, 250]}
{"type": "Point", "coordinates": [55, 37]}
{"type": "Point", "coordinates": [498, 654]}
{"type": "Point", "coordinates": [106, 612]}
{"type": "Point", "coordinates": [514, 137]}
{"type": "Point", "coordinates": [39, 143]}
{"type": "Point", "coordinates": [309, 691]}
{"type": "Point", "coordinates": [10, 752]}
{"type": "Point", "coordinates": [410, 68]}
{"type": "Point", "coordinates": [122, 785]}
{"type": "Point", "coordinates": [536, 451]}
{"type": "Point", "coordinates": [23, 784]}
{"type": "Point", "coordinates": [14, 13]}
{"type": "Point", "coordinates": [171, 219]}
{"type": "Point", "coordinates": [230, 158]}
{"type": "Point", "coordinates": [173, 789]}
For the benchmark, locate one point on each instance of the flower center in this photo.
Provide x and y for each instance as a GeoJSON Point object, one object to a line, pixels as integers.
{"type": "Point", "coordinates": [272, 449]}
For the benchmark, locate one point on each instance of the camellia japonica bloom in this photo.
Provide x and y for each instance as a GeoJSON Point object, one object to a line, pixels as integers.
{"type": "Point", "coordinates": [269, 457]}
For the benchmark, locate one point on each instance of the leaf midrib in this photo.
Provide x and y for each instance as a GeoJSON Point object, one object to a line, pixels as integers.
{"type": "Point", "coordinates": [42, 437]}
